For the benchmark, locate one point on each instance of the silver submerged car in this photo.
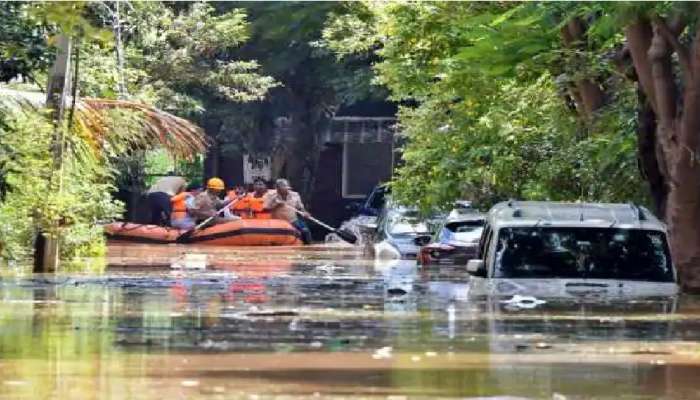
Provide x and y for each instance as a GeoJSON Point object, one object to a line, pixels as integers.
{"type": "Point", "coordinates": [549, 249]}
{"type": "Point", "coordinates": [399, 233]}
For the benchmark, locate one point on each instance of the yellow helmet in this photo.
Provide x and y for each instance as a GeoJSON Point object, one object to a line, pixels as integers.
{"type": "Point", "coordinates": [215, 184]}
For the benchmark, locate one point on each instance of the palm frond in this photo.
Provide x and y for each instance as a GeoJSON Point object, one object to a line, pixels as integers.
{"type": "Point", "coordinates": [176, 135]}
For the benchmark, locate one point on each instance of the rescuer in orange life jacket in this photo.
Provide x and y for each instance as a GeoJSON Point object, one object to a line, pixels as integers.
{"type": "Point", "coordinates": [251, 206]}
{"type": "Point", "coordinates": [209, 202]}
{"type": "Point", "coordinates": [182, 203]}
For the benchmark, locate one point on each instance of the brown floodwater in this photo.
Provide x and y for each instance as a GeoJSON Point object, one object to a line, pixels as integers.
{"type": "Point", "coordinates": [325, 322]}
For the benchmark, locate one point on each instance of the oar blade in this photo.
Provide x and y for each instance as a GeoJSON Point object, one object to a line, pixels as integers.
{"type": "Point", "coordinates": [347, 236]}
{"type": "Point", "coordinates": [185, 237]}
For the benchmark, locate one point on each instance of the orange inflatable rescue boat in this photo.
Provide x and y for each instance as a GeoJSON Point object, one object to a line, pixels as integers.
{"type": "Point", "coordinates": [243, 232]}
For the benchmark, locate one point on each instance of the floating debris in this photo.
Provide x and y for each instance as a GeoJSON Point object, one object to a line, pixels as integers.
{"type": "Point", "coordinates": [383, 353]}
{"type": "Point", "coordinates": [518, 301]}
{"type": "Point", "coordinates": [396, 292]}
{"type": "Point", "coordinates": [280, 313]}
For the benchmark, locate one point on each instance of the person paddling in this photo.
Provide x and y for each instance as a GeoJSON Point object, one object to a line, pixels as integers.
{"type": "Point", "coordinates": [208, 203]}
{"type": "Point", "coordinates": [276, 202]}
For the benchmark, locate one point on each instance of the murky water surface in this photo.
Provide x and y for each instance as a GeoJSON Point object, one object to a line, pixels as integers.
{"type": "Point", "coordinates": [323, 322]}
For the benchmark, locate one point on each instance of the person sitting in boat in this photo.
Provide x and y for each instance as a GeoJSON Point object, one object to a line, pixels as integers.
{"type": "Point", "coordinates": [251, 206]}
{"type": "Point", "coordinates": [159, 196]}
{"type": "Point", "coordinates": [236, 197]}
{"type": "Point", "coordinates": [182, 204]}
{"type": "Point", "coordinates": [283, 203]}
{"type": "Point", "coordinates": [209, 202]}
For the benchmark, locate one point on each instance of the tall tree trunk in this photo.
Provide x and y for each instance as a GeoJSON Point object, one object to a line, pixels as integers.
{"type": "Point", "coordinates": [684, 198]}
{"type": "Point", "coordinates": [647, 151]}
{"type": "Point", "coordinates": [676, 126]}
{"type": "Point", "coordinates": [47, 257]}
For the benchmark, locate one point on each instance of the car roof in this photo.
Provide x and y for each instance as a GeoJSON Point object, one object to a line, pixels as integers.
{"type": "Point", "coordinates": [465, 217]}
{"type": "Point", "coordinates": [544, 213]}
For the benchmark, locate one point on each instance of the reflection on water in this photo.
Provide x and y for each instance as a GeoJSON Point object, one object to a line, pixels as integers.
{"type": "Point", "coordinates": [326, 324]}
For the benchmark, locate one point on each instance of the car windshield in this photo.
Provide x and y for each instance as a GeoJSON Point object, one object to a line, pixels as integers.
{"type": "Point", "coordinates": [407, 223]}
{"type": "Point", "coordinates": [594, 253]}
{"type": "Point", "coordinates": [376, 199]}
{"type": "Point", "coordinates": [464, 231]}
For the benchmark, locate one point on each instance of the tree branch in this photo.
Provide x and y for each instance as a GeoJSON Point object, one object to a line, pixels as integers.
{"type": "Point", "coordinates": [638, 35]}
{"type": "Point", "coordinates": [587, 93]}
{"type": "Point", "coordinates": [672, 38]}
{"type": "Point", "coordinates": [662, 78]}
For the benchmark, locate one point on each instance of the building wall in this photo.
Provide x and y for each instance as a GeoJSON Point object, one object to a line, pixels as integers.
{"type": "Point", "coordinates": [364, 166]}
{"type": "Point", "coordinates": [326, 202]}
{"type": "Point", "coordinates": [361, 166]}
{"type": "Point", "coordinates": [228, 167]}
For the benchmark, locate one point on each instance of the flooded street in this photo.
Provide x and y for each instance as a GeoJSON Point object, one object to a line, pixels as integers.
{"type": "Point", "coordinates": [324, 322]}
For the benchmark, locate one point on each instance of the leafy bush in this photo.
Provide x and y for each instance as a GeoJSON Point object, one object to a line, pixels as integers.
{"type": "Point", "coordinates": [31, 200]}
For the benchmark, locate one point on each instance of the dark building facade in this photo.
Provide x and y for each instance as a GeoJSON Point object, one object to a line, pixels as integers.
{"type": "Point", "coordinates": [358, 153]}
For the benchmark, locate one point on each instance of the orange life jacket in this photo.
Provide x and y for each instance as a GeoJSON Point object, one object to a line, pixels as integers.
{"type": "Point", "coordinates": [237, 206]}
{"type": "Point", "coordinates": [250, 207]}
{"type": "Point", "coordinates": [256, 206]}
{"type": "Point", "coordinates": [179, 202]}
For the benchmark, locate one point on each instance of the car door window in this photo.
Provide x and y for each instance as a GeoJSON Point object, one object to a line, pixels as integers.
{"type": "Point", "coordinates": [487, 255]}
{"type": "Point", "coordinates": [482, 242]}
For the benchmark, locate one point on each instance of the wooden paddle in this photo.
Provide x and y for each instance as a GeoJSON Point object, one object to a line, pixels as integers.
{"type": "Point", "coordinates": [342, 233]}
{"type": "Point", "coordinates": [183, 238]}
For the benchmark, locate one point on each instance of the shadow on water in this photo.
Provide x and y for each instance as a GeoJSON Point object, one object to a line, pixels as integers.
{"type": "Point", "coordinates": [325, 322]}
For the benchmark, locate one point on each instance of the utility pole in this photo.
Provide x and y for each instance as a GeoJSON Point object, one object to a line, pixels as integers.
{"type": "Point", "coordinates": [119, 50]}
{"type": "Point", "coordinates": [47, 256]}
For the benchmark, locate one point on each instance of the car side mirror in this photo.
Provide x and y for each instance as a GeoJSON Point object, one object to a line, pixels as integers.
{"type": "Point", "coordinates": [422, 240]}
{"type": "Point", "coordinates": [476, 268]}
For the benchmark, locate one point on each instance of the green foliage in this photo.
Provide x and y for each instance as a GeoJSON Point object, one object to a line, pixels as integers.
{"type": "Point", "coordinates": [30, 199]}
{"type": "Point", "coordinates": [23, 47]}
{"type": "Point", "coordinates": [25, 149]}
{"type": "Point", "coordinates": [192, 52]}
{"type": "Point", "coordinates": [313, 84]}
{"type": "Point", "coordinates": [490, 117]}
{"type": "Point", "coordinates": [350, 30]}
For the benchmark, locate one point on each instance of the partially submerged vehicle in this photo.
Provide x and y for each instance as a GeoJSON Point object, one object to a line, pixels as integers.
{"type": "Point", "coordinates": [549, 249]}
{"type": "Point", "coordinates": [456, 241]}
{"type": "Point", "coordinates": [243, 232]}
{"type": "Point", "coordinates": [398, 233]}
{"type": "Point", "coordinates": [373, 204]}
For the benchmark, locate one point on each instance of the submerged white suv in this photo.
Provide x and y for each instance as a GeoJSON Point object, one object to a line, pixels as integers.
{"type": "Point", "coordinates": [549, 249]}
